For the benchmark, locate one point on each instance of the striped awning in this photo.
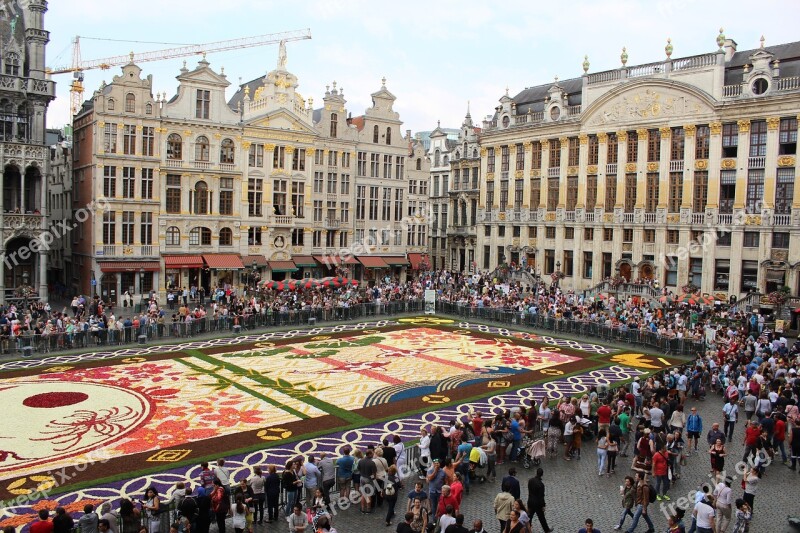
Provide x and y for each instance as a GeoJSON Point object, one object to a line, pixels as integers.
{"type": "Point", "coordinates": [183, 261]}
{"type": "Point", "coordinates": [304, 261]}
{"type": "Point", "coordinates": [371, 261]}
{"type": "Point", "coordinates": [130, 266]}
{"type": "Point", "coordinates": [258, 259]}
{"type": "Point", "coordinates": [223, 261]}
{"type": "Point", "coordinates": [282, 266]}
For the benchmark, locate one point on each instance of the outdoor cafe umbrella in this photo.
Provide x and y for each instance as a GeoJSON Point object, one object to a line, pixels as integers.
{"type": "Point", "coordinates": [275, 285]}
{"type": "Point", "coordinates": [309, 284]}
{"type": "Point", "coordinates": [694, 299]}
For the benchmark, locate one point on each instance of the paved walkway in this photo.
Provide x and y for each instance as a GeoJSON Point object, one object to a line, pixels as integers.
{"type": "Point", "coordinates": [574, 493]}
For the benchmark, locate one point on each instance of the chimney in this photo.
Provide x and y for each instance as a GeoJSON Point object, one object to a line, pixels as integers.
{"type": "Point", "coordinates": [730, 49]}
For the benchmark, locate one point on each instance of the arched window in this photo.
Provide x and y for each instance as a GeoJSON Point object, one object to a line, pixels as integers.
{"type": "Point", "coordinates": [173, 236]}
{"type": "Point", "coordinates": [201, 149]}
{"type": "Point", "coordinates": [388, 135]}
{"type": "Point", "coordinates": [174, 146]}
{"type": "Point", "coordinates": [6, 120]}
{"type": "Point", "coordinates": [375, 133]}
{"type": "Point", "coordinates": [334, 124]}
{"type": "Point", "coordinates": [12, 64]}
{"type": "Point", "coordinates": [200, 237]}
{"type": "Point", "coordinates": [446, 160]}
{"type": "Point", "coordinates": [226, 152]}
{"type": "Point", "coordinates": [22, 121]}
{"type": "Point", "coordinates": [201, 198]}
{"type": "Point", "coordinates": [225, 237]}
{"type": "Point", "coordinates": [130, 103]}
{"type": "Point", "coordinates": [148, 109]}
{"type": "Point", "coordinates": [437, 158]}
{"type": "Point", "coordinates": [111, 104]}
{"type": "Point", "coordinates": [419, 163]}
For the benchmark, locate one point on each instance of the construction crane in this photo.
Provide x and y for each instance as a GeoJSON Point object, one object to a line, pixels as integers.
{"type": "Point", "coordinates": [78, 66]}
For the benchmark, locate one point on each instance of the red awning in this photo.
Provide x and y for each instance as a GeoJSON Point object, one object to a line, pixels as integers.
{"type": "Point", "coordinates": [371, 261]}
{"type": "Point", "coordinates": [282, 266]}
{"type": "Point", "coordinates": [304, 261]}
{"type": "Point", "coordinates": [416, 259]}
{"type": "Point", "coordinates": [396, 260]}
{"type": "Point", "coordinates": [223, 261]}
{"type": "Point", "coordinates": [259, 260]}
{"type": "Point", "coordinates": [328, 260]}
{"type": "Point", "coordinates": [130, 266]}
{"type": "Point", "coordinates": [350, 260]}
{"type": "Point", "coordinates": [183, 261]}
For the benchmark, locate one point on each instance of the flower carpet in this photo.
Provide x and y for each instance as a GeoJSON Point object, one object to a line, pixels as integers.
{"type": "Point", "coordinates": [101, 425]}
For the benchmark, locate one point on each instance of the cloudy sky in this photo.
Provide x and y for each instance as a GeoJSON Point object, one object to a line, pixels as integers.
{"type": "Point", "coordinates": [436, 55]}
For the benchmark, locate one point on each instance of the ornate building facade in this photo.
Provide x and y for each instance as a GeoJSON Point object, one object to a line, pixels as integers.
{"type": "Point", "coordinates": [200, 191]}
{"type": "Point", "coordinates": [25, 92]}
{"type": "Point", "coordinates": [681, 170]}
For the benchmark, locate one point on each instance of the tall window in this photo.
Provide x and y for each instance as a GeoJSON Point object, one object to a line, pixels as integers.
{"type": "Point", "coordinates": [332, 181]}
{"type": "Point", "coordinates": [594, 149]}
{"type": "Point", "coordinates": [109, 181]}
{"type": "Point", "coordinates": [346, 159]}
{"type": "Point", "coordinates": [677, 144]}
{"type": "Point", "coordinates": [520, 159]}
{"type": "Point", "coordinates": [298, 198]}
{"type": "Point", "coordinates": [675, 192]}
{"type": "Point", "coordinates": [572, 192]}
{"type": "Point", "coordinates": [536, 155]}
{"type": "Point", "coordinates": [574, 151]}
{"type": "Point", "coordinates": [226, 152]}
{"type": "Point", "coordinates": [200, 236]}
{"type": "Point", "coordinates": [128, 227]}
{"type": "Point", "coordinates": [319, 182]}
{"type": "Point", "coordinates": [630, 192]}
{"type": "Point", "coordinates": [255, 191]}
{"type": "Point", "coordinates": [130, 103]}
{"type": "Point", "coordinates": [552, 193]}
{"type": "Point", "coordinates": [755, 191]}
{"type": "Point", "coordinates": [278, 155]}
{"type": "Point", "coordinates": [201, 198]}
{"type": "Point", "coordinates": [375, 133]}
{"type": "Point", "coordinates": [255, 156]}
{"type": "Point", "coordinates": [489, 195]}
{"type": "Point", "coordinates": [503, 195]}
{"type": "Point", "coordinates": [129, 139]}
{"type": "Point", "coordinates": [299, 159]}
{"type": "Point", "coordinates": [361, 201]}
{"type": "Point", "coordinates": [174, 146]}
{"type": "Point", "coordinates": [147, 184]}
{"type": "Point", "coordinates": [226, 196]}
{"type": "Point", "coordinates": [148, 137]}
{"type": "Point", "coordinates": [334, 124]}
{"type": "Point", "coordinates": [173, 236]}
{"type": "Point", "coordinates": [173, 200]}
{"type": "Point", "coordinates": [202, 106]}
{"type": "Point", "coordinates": [387, 166]}
{"type": "Point", "coordinates": [784, 191]}
{"type": "Point", "coordinates": [109, 227]}
{"type": "Point", "coordinates": [110, 138]}
{"type": "Point", "coordinates": [386, 210]}
{"type": "Point", "coordinates": [398, 205]}
{"type": "Point", "coordinates": [611, 193]}
{"type": "Point", "coordinates": [519, 191]}
{"type": "Point", "coordinates": [787, 137]}
{"type": "Point", "coordinates": [373, 203]}
{"type": "Point", "coordinates": [202, 150]}
{"type": "Point", "coordinates": [536, 192]}
{"type": "Point", "coordinates": [633, 147]}
{"type": "Point", "coordinates": [399, 167]}
{"type": "Point", "coordinates": [702, 142]}
{"type": "Point", "coordinates": [555, 153]}
{"type": "Point", "coordinates": [730, 139]}
{"type": "Point", "coordinates": [758, 138]}
{"type": "Point", "coordinates": [700, 192]}
{"type": "Point", "coordinates": [612, 150]}
{"type": "Point", "coordinates": [226, 237]}
{"type": "Point", "coordinates": [317, 205]}
{"type": "Point", "coordinates": [504, 158]}
{"type": "Point", "coordinates": [361, 164]}
{"type": "Point", "coordinates": [654, 145]}
{"type": "Point", "coordinates": [591, 192]}
{"type": "Point", "coordinates": [128, 182]}
{"type": "Point", "coordinates": [146, 228]}
{"type": "Point", "coordinates": [374, 165]}
{"type": "Point", "coordinates": [727, 191]}
{"type": "Point", "coordinates": [279, 197]}
{"type": "Point", "coordinates": [388, 135]}
{"type": "Point", "coordinates": [12, 63]}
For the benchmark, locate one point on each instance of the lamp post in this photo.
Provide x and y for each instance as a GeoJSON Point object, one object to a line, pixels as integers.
{"type": "Point", "coordinates": [141, 288]}
{"type": "Point", "coordinates": [25, 279]}
{"type": "Point", "coordinates": [253, 268]}
{"type": "Point", "coordinates": [558, 273]}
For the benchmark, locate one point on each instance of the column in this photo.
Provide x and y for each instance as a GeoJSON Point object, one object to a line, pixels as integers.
{"type": "Point", "coordinates": [663, 166]}
{"type": "Point", "coordinates": [622, 162]}
{"type": "Point", "coordinates": [688, 166]}
{"type": "Point", "coordinates": [641, 172]}
{"type": "Point", "coordinates": [526, 175]}
{"type": "Point", "coordinates": [544, 173]}
{"type": "Point", "coordinates": [583, 160]}
{"type": "Point", "coordinates": [43, 275]}
{"type": "Point", "coordinates": [562, 173]}
{"type": "Point", "coordinates": [741, 164]}
{"type": "Point", "coordinates": [482, 183]}
{"type": "Point", "coordinates": [714, 162]}
{"type": "Point", "coordinates": [771, 162]}
{"type": "Point", "coordinates": [512, 174]}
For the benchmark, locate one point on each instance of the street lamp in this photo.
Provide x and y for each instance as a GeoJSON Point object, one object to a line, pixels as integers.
{"type": "Point", "coordinates": [25, 289]}
{"type": "Point", "coordinates": [558, 274]}
{"type": "Point", "coordinates": [253, 273]}
{"type": "Point", "coordinates": [141, 287]}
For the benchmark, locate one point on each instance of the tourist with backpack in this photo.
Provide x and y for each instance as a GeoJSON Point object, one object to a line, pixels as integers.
{"type": "Point", "coordinates": [645, 495]}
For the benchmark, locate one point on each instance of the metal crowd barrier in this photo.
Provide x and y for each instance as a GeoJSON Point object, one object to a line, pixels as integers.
{"type": "Point", "coordinates": [153, 331]}
{"type": "Point", "coordinates": [579, 328]}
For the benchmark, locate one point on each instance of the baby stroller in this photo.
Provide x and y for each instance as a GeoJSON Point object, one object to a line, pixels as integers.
{"type": "Point", "coordinates": [477, 464]}
{"type": "Point", "coordinates": [534, 453]}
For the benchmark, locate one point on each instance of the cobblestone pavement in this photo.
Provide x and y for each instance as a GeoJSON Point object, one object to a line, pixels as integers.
{"type": "Point", "coordinates": [575, 492]}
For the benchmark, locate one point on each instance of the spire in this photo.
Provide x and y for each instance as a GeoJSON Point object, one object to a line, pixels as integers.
{"type": "Point", "coordinates": [468, 114]}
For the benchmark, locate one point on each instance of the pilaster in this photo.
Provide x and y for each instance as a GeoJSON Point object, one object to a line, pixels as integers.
{"type": "Point", "coordinates": [663, 167]}
{"type": "Point", "coordinates": [741, 164]}
{"type": "Point", "coordinates": [771, 162]}
{"type": "Point", "coordinates": [714, 161]}
{"type": "Point", "coordinates": [690, 139]}
{"type": "Point", "coordinates": [544, 173]}
{"type": "Point", "coordinates": [562, 174]}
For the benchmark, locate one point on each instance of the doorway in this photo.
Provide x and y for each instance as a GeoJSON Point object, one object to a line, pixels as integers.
{"type": "Point", "coordinates": [625, 271]}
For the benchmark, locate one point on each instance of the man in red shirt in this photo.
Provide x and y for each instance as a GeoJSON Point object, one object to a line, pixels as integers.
{"type": "Point", "coordinates": [779, 436]}
{"type": "Point", "coordinates": [43, 525]}
{"type": "Point", "coordinates": [751, 434]}
{"type": "Point", "coordinates": [477, 427]}
{"type": "Point", "coordinates": [603, 417]}
{"type": "Point", "coordinates": [661, 473]}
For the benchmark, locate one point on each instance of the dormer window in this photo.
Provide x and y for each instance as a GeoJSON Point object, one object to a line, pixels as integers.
{"type": "Point", "coordinates": [111, 104]}
{"type": "Point", "coordinates": [130, 103]}
{"type": "Point", "coordinates": [506, 121]}
{"type": "Point", "coordinates": [388, 135]}
{"type": "Point", "coordinates": [760, 86]}
{"type": "Point", "coordinates": [334, 124]}
{"type": "Point", "coordinates": [375, 134]}
{"type": "Point", "coordinates": [148, 109]}
{"type": "Point", "coordinates": [202, 104]}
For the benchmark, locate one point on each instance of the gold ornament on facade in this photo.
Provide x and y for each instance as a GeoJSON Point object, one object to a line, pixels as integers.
{"type": "Point", "coordinates": [630, 167]}
{"type": "Point", "coordinates": [483, 151]}
{"type": "Point", "coordinates": [715, 128]}
{"type": "Point", "coordinates": [489, 176]}
{"type": "Point", "coordinates": [622, 136]}
{"type": "Point", "coordinates": [752, 220]}
{"type": "Point", "coordinates": [246, 145]}
{"type": "Point", "coordinates": [564, 141]}
{"type": "Point", "coordinates": [728, 164]}
{"type": "Point", "coordinates": [289, 149]}
{"type": "Point", "coordinates": [652, 166]}
{"type": "Point", "coordinates": [689, 130]}
{"type": "Point", "coordinates": [101, 124]}
{"type": "Point", "coordinates": [269, 147]}
{"type": "Point", "coordinates": [642, 133]}
{"type": "Point", "coordinates": [673, 219]}
{"type": "Point", "coordinates": [527, 145]}
{"type": "Point", "coordinates": [518, 174]}
{"type": "Point", "coordinates": [187, 132]}
{"type": "Point", "coordinates": [602, 137]}
{"type": "Point", "coordinates": [591, 169]}
{"type": "Point", "coordinates": [744, 126]}
{"type": "Point", "coordinates": [583, 138]}
{"type": "Point", "coordinates": [501, 216]}
{"type": "Point", "coordinates": [786, 161]}
{"type": "Point", "coordinates": [545, 144]}
{"type": "Point", "coordinates": [536, 172]}
{"type": "Point", "coordinates": [572, 171]}
{"type": "Point", "coordinates": [666, 132]}
{"type": "Point", "coordinates": [773, 123]}
{"type": "Point", "coordinates": [608, 217]}
{"type": "Point", "coordinates": [550, 217]}
{"type": "Point", "coordinates": [701, 164]}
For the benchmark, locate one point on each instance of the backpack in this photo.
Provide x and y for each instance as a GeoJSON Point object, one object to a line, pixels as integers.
{"type": "Point", "coordinates": [389, 489]}
{"type": "Point", "coordinates": [651, 493]}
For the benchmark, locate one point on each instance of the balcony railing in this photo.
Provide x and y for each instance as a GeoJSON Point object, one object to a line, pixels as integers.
{"type": "Point", "coordinates": [18, 222]}
{"type": "Point", "coordinates": [588, 216]}
{"type": "Point", "coordinates": [731, 91]}
{"type": "Point", "coordinates": [282, 220]}
{"type": "Point", "coordinates": [695, 62]}
{"type": "Point", "coordinates": [330, 223]}
{"type": "Point", "coordinates": [782, 220]}
{"type": "Point", "coordinates": [698, 218]}
{"type": "Point", "coordinates": [109, 250]}
{"type": "Point", "coordinates": [228, 167]}
{"type": "Point", "coordinates": [627, 218]}
{"type": "Point", "coordinates": [611, 169]}
{"type": "Point", "coordinates": [569, 216]}
{"type": "Point", "coordinates": [756, 162]}
{"type": "Point", "coordinates": [788, 84]}
{"type": "Point", "coordinates": [676, 165]}
{"type": "Point", "coordinates": [602, 77]}
{"type": "Point", "coordinates": [649, 218]}
{"type": "Point", "coordinates": [573, 110]}
{"type": "Point", "coordinates": [533, 215]}
{"type": "Point", "coordinates": [554, 172]}
{"type": "Point", "coordinates": [174, 163]}
{"type": "Point", "coordinates": [726, 219]}
{"type": "Point", "coordinates": [202, 165]}
{"type": "Point", "coordinates": [645, 70]}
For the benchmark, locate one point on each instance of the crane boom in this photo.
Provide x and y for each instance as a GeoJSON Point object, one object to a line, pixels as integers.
{"type": "Point", "coordinates": [184, 51]}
